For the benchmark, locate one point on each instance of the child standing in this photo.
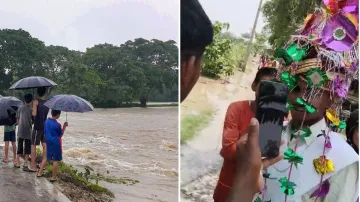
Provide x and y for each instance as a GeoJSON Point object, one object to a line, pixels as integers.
{"type": "Point", "coordinates": [53, 133]}
{"type": "Point", "coordinates": [10, 136]}
{"type": "Point", "coordinates": [24, 119]}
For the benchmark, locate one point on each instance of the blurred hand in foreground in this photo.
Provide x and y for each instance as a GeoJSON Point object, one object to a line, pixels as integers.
{"type": "Point", "coordinates": [249, 179]}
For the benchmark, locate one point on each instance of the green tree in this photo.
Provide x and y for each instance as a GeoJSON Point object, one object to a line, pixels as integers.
{"type": "Point", "coordinates": [283, 18]}
{"type": "Point", "coordinates": [260, 42]}
{"type": "Point", "coordinates": [106, 75]}
{"type": "Point", "coordinates": [216, 56]}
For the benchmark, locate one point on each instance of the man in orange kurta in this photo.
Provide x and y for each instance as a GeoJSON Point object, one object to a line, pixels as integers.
{"type": "Point", "coordinates": [236, 124]}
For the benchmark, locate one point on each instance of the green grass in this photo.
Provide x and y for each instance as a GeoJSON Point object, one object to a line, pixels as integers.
{"type": "Point", "coordinates": [192, 124]}
{"type": "Point", "coordinates": [163, 105]}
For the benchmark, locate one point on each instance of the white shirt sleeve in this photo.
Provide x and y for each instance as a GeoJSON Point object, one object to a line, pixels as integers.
{"type": "Point", "coordinates": [343, 186]}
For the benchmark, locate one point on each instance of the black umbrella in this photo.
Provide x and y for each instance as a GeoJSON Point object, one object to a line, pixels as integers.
{"type": "Point", "coordinates": [8, 107]}
{"type": "Point", "coordinates": [32, 82]}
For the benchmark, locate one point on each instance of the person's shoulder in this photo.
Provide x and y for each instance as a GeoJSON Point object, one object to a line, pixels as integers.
{"type": "Point", "coordinates": [240, 105]}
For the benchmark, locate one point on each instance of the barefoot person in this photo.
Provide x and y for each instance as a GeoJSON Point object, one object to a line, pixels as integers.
{"type": "Point", "coordinates": [24, 120]}
{"type": "Point", "coordinates": [53, 133]}
{"type": "Point", "coordinates": [9, 136]}
{"type": "Point", "coordinates": [40, 113]}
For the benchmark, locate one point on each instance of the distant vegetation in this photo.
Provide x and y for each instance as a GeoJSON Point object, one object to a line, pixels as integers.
{"type": "Point", "coordinates": [107, 75]}
{"type": "Point", "coordinates": [284, 17]}
{"type": "Point", "coordinates": [226, 54]}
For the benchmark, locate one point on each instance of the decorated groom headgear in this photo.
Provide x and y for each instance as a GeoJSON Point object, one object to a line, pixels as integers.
{"type": "Point", "coordinates": [324, 54]}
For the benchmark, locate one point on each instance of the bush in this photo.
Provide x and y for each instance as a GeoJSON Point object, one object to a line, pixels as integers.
{"type": "Point", "coordinates": [216, 56]}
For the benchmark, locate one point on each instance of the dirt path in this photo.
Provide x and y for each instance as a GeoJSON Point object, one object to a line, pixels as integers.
{"type": "Point", "coordinates": [200, 159]}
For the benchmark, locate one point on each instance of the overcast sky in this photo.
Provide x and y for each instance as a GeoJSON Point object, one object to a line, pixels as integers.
{"type": "Point", "coordinates": [78, 24]}
{"type": "Point", "coordinates": [239, 13]}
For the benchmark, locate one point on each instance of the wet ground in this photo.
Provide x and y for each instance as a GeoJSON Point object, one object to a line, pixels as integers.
{"type": "Point", "coordinates": [17, 185]}
{"type": "Point", "coordinates": [139, 143]}
{"type": "Point", "coordinates": [200, 159]}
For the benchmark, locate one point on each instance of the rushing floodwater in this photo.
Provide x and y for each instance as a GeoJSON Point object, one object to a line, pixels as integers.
{"type": "Point", "coordinates": [137, 143]}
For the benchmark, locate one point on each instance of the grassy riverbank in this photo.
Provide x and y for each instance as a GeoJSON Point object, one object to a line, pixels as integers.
{"type": "Point", "coordinates": [192, 124]}
{"type": "Point", "coordinates": [82, 184]}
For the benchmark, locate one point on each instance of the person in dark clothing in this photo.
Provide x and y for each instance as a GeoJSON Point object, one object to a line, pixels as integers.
{"type": "Point", "coordinates": [352, 130]}
{"type": "Point", "coordinates": [40, 113]}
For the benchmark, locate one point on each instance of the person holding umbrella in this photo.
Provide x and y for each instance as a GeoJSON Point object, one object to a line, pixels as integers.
{"type": "Point", "coordinates": [10, 136]}
{"type": "Point", "coordinates": [54, 131]}
{"type": "Point", "coordinates": [8, 108]}
{"type": "Point", "coordinates": [40, 112]}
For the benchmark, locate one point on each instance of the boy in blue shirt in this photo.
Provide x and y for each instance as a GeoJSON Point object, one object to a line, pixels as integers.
{"type": "Point", "coordinates": [53, 133]}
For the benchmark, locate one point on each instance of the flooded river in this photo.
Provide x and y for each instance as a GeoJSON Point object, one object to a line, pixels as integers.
{"type": "Point", "coordinates": [137, 143]}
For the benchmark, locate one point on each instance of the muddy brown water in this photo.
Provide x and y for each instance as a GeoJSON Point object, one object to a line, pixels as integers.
{"type": "Point", "coordinates": [137, 143]}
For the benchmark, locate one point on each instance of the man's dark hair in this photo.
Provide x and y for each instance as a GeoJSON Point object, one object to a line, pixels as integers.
{"type": "Point", "coordinates": [351, 124]}
{"type": "Point", "coordinates": [266, 71]}
{"type": "Point", "coordinates": [196, 29]}
{"type": "Point", "coordinates": [41, 91]}
{"type": "Point", "coordinates": [28, 98]}
{"type": "Point", "coordinates": [55, 112]}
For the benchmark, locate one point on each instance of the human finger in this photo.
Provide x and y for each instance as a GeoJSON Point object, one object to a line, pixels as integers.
{"type": "Point", "coordinates": [268, 162]}
{"type": "Point", "coordinates": [253, 135]}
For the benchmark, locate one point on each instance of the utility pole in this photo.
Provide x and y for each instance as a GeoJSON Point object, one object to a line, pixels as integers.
{"type": "Point", "coordinates": [246, 58]}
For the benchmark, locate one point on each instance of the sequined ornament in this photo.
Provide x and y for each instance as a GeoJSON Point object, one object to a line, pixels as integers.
{"type": "Point", "coordinates": [332, 116]}
{"type": "Point", "coordinates": [287, 187]}
{"type": "Point", "coordinates": [323, 165]}
{"type": "Point", "coordinates": [291, 156]}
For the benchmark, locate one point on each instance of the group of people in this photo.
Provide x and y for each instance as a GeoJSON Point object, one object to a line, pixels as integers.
{"type": "Point", "coordinates": [34, 127]}
{"type": "Point", "coordinates": [315, 162]}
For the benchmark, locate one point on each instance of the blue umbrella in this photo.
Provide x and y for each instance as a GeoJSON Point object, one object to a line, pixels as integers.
{"type": "Point", "coordinates": [69, 103]}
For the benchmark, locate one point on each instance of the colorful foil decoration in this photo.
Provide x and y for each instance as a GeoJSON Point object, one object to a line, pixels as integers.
{"type": "Point", "coordinates": [322, 191]}
{"type": "Point", "coordinates": [342, 125]}
{"type": "Point", "coordinates": [291, 156]}
{"type": "Point", "coordinates": [332, 116]}
{"type": "Point", "coordinates": [296, 53]}
{"type": "Point", "coordinates": [316, 77]}
{"type": "Point", "coordinates": [287, 187]}
{"type": "Point", "coordinates": [327, 139]}
{"type": "Point", "coordinates": [290, 81]}
{"type": "Point", "coordinates": [340, 87]}
{"type": "Point", "coordinates": [281, 53]}
{"type": "Point", "coordinates": [307, 133]}
{"type": "Point", "coordinates": [323, 165]}
{"type": "Point", "coordinates": [309, 108]}
{"type": "Point", "coordinates": [339, 33]}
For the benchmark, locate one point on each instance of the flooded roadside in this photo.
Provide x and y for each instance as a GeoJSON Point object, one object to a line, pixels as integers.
{"type": "Point", "coordinates": [138, 143]}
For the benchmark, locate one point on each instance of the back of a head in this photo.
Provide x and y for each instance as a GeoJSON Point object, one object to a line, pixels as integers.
{"type": "Point", "coordinates": [41, 91]}
{"type": "Point", "coordinates": [265, 72]}
{"type": "Point", "coordinates": [28, 98]}
{"type": "Point", "coordinates": [55, 113]}
{"type": "Point", "coordinates": [196, 29]}
{"type": "Point", "coordinates": [351, 123]}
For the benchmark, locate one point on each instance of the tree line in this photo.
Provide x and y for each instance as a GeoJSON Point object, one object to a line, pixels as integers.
{"type": "Point", "coordinates": [107, 75]}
